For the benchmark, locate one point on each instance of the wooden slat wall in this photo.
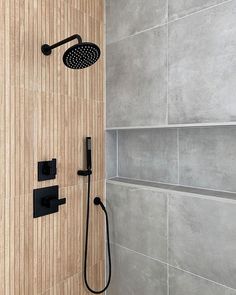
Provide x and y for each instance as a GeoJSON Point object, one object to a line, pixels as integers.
{"type": "Point", "coordinates": [46, 110]}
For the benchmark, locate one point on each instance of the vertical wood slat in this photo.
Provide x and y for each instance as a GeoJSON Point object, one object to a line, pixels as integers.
{"type": "Point", "coordinates": [46, 110]}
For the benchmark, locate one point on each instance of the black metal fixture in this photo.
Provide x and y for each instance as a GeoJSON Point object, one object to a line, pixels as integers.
{"type": "Point", "coordinates": [47, 170]}
{"type": "Point", "coordinates": [97, 201]}
{"type": "Point", "coordinates": [46, 201]}
{"type": "Point", "coordinates": [78, 56]}
{"type": "Point", "coordinates": [88, 171]}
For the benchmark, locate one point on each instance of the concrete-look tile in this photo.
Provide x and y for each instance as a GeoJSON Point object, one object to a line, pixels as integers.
{"type": "Point", "coordinates": [139, 219]}
{"type": "Point", "coordinates": [202, 65]}
{"type": "Point", "coordinates": [136, 274]}
{"type": "Point", "coordinates": [111, 154]}
{"type": "Point", "coordinates": [182, 283]}
{"type": "Point", "coordinates": [202, 237]}
{"type": "Point", "coordinates": [181, 8]}
{"type": "Point", "coordinates": [137, 80]}
{"type": "Point", "coordinates": [207, 157]}
{"type": "Point", "coordinates": [149, 154]}
{"type": "Point", "coordinates": [127, 17]}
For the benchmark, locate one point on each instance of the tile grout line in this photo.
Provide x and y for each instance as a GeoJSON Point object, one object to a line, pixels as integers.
{"type": "Point", "coordinates": [167, 67]}
{"type": "Point", "coordinates": [168, 22]}
{"type": "Point", "coordinates": [167, 122]}
{"type": "Point", "coordinates": [178, 163]}
{"type": "Point", "coordinates": [123, 247]}
{"type": "Point", "coordinates": [168, 279]}
{"type": "Point", "coordinates": [117, 152]}
{"type": "Point", "coordinates": [138, 33]}
{"type": "Point", "coordinates": [167, 233]}
{"type": "Point", "coordinates": [175, 267]}
{"type": "Point", "coordinates": [203, 278]}
{"type": "Point", "coordinates": [201, 10]}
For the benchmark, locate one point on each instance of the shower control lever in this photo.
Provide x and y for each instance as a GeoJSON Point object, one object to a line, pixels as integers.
{"type": "Point", "coordinates": [46, 201]}
{"type": "Point", "coordinates": [52, 202]}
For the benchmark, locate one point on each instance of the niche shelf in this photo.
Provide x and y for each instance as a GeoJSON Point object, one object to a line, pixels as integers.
{"type": "Point", "coordinates": [174, 188]}
{"type": "Point", "coordinates": [173, 126]}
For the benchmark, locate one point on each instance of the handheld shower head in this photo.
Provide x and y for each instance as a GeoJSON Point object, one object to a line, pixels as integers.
{"type": "Point", "coordinates": [78, 56]}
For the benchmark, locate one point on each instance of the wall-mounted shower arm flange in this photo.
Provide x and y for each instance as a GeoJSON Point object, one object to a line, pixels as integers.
{"type": "Point", "coordinates": [47, 49]}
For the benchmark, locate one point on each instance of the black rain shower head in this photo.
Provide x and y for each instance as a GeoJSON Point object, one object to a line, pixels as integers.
{"type": "Point", "coordinates": [78, 56]}
{"type": "Point", "coordinates": [81, 56]}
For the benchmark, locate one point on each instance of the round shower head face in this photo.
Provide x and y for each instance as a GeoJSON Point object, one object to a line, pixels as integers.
{"type": "Point", "coordinates": [81, 55]}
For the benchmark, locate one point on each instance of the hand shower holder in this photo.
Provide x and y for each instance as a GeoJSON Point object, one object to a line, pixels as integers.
{"type": "Point", "coordinates": [84, 172]}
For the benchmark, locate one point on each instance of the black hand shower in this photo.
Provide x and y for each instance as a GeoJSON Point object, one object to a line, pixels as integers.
{"type": "Point", "coordinates": [97, 201]}
{"type": "Point", "coordinates": [78, 56]}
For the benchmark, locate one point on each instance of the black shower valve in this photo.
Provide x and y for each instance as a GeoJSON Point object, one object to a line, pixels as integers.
{"type": "Point", "coordinates": [46, 201]}
{"type": "Point", "coordinates": [47, 170]}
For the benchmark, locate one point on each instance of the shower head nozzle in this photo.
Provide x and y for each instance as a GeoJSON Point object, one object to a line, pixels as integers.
{"type": "Point", "coordinates": [78, 56]}
{"type": "Point", "coordinates": [81, 55]}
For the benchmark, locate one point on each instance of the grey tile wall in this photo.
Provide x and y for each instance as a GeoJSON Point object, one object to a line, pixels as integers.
{"type": "Point", "coordinates": [136, 274]}
{"type": "Point", "coordinates": [202, 237]}
{"type": "Point", "coordinates": [202, 65]}
{"type": "Point", "coordinates": [202, 62]}
{"type": "Point", "coordinates": [111, 154]}
{"type": "Point", "coordinates": [178, 73]}
{"type": "Point", "coordinates": [207, 157]}
{"type": "Point", "coordinates": [137, 80]}
{"type": "Point", "coordinates": [201, 241]}
{"type": "Point", "coordinates": [182, 283]}
{"type": "Point", "coordinates": [127, 17]}
{"type": "Point", "coordinates": [146, 231]}
{"type": "Point", "coordinates": [149, 154]}
{"type": "Point", "coordinates": [182, 8]}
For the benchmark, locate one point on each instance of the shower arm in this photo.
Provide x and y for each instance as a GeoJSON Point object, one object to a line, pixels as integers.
{"type": "Point", "coordinates": [47, 49]}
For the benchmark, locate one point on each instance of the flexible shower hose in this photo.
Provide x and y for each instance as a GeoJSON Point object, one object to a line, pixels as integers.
{"type": "Point", "coordinates": [97, 201]}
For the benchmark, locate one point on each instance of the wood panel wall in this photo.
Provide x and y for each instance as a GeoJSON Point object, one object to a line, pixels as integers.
{"type": "Point", "coordinates": [46, 110]}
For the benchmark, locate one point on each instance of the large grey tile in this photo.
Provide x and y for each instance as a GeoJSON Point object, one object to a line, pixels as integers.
{"type": "Point", "coordinates": [137, 80]}
{"type": "Point", "coordinates": [149, 154]}
{"type": "Point", "coordinates": [111, 154]}
{"type": "Point", "coordinates": [181, 8]}
{"type": "Point", "coordinates": [207, 157]}
{"type": "Point", "coordinates": [139, 219]}
{"type": "Point", "coordinates": [182, 283]}
{"type": "Point", "coordinates": [136, 274]}
{"type": "Point", "coordinates": [202, 237]}
{"type": "Point", "coordinates": [202, 66]}
{"type": "Point", "coordinates": [127, 17]}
